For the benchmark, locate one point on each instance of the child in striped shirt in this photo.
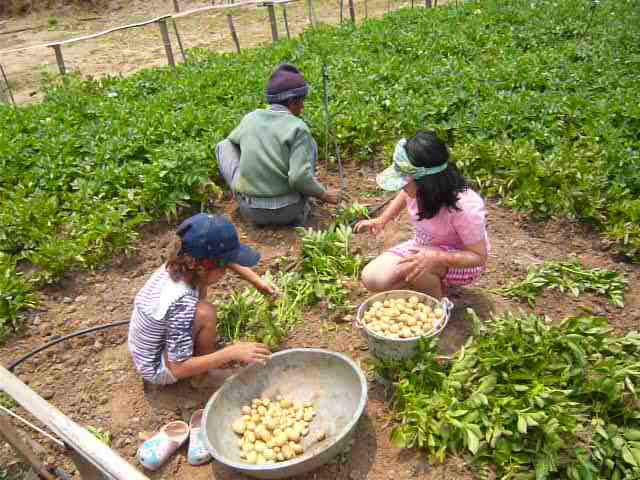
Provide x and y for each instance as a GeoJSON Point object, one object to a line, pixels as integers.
{"type": "Point", "coordinates": [450, 245]}
{"type": "Point", "coordinates": [172, 334]}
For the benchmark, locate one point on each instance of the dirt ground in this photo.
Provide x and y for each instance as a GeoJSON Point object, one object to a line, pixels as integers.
{"type": "Point", "coordinates": [124, 52]}
{"type": "Point", "coordinates": [92, 380]}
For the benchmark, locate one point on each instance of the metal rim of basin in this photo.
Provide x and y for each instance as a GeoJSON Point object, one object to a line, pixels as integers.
{"type": "Point", "coordinates": [445, 304]}
{"type": "Point", "coordinates": [248, 467]}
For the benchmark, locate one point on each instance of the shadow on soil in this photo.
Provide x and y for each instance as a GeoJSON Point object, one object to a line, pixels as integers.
{"type": "Point", "coordinates": [460, 327]}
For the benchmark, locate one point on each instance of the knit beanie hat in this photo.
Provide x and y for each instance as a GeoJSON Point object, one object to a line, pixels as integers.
{"type": "Point", "coordinates": [285, 83]}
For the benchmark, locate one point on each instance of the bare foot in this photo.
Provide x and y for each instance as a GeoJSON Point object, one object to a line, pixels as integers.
{"type": "Point", "coordinates": [213, 378]}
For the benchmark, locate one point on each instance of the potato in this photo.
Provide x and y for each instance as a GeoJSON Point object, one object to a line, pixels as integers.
{"type": "Point", "coordinates": [246, 410]}
{"type": "Point", "coordinates": [241, 442]}
{"type": "Point", "coordinates": [438, 312]}
{"type": "Point", "coordinates": [282, 439]}
{"type": "Point", "coordinates": [305, 432]}
{"type": "Point", "coordinates": [285, 403]}
{"type": "Point", "coordinates": [266, 401]}
{"type": "Point", "coordinates": [386, 303]}
{"type": "Point", "coordinates": [280, 457]}
{"type": "Point", "coordinates": [288, 452]}
{"type": "Point", "coordinates": [277, 432]}
{"type": "Point", "coordinates": [262, 411]}
{"type": "Point", "coordinates": [252, 457]}
{"type": "Point", "coordinates": [239, 426]}
{"type": "Point", "coordinates": [265, 435]}
{"type": "Point", "coordinates": [247, 447]}
{"type": "Point", "coordinates": [260, 446]}
{"type": "Point", "coordinates": [255, 402]}
{"type": "Point", "coordinates": [377, 304]}
{"type": "Point", "coordinates": [250, 425]}
{"type": "Point", "coordinates": [413, 300]}
{"type": "Point", "coordinates": [394, 329]}
{"type": "Point", "coordinates": [269, 454]}
{"type": "Point", "coordinates": [250, 436]}
{"type": "Point", "coordinates": [405, 332]}
{"type": "Point", "coordinates": [412, 322]}
{"type": "Point", "coordinates": [297, 448]}
{"type": "Point", "coordinates": [260, 460]}
{"type": "Point", "coordinates": [308, 416]}
{"type": "Point", "coordinates": [320, 435]}
{"type": "Point", "coordinates": [293, 434]}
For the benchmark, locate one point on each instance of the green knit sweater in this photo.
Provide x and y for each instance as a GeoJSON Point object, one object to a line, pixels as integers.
{"type": "Point", "coordinates": [276, 149]}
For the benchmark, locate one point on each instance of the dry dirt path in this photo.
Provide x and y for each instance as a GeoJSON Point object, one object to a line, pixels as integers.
{"type": "Point", "coordinates": [93, 381]}
{"type": "Point", "coordinates": [128, 51]}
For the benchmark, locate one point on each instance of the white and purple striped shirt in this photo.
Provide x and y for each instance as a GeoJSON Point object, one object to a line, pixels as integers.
{"type": "Point", "coordinates": [162, 320]}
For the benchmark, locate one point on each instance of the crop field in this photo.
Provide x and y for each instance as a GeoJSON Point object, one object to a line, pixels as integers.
{"type": "Point", "coordinates": [540, 102]}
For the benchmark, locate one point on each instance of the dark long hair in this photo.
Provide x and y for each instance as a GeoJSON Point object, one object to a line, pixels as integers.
{"type": "Point", "coordinates": [440, 189]}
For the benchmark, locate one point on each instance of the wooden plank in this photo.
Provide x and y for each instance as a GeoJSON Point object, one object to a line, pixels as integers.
{"type": "Point", "coordinates": [9, 433]}
{"type": "Point", "coordinates": [111, 30]}
{"type": "Point", "coordinates": [176, 6]}
{"type": "Point", "coordinates": [352, 11]}
{"type": "Point", "coordinates": [103, 459]}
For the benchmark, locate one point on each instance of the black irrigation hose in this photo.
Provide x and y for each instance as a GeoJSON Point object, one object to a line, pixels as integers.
{"type": "Point", "coordinates": [62, 339]}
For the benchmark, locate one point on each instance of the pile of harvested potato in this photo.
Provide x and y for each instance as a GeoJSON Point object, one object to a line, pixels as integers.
{"type": "Point", "coordinates": [402, 318]}
{"type": "Point", "coordinates": [272, 431]}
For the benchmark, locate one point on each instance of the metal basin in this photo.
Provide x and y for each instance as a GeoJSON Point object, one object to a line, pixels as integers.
{"type": "Point", "coordinates": [333, 382]}
{"type": "Point", "coordinates": [399, 348]}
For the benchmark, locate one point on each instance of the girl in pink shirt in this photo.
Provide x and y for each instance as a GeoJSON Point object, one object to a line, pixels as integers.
{"type": "Point", "coordinates": [450, 245]}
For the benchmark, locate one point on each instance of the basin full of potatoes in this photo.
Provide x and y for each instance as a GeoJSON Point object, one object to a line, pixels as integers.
{"type": "Point", "coordinates": [288, 416]}
{"type": "Point", "coordinates": [394, 321]}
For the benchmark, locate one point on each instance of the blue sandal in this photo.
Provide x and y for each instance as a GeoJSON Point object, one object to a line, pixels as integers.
{"type": "Point", "coordinates": [198, 453]}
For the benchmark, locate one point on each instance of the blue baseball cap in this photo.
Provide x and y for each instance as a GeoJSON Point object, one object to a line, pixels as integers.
{"type": "Point", "coordinates": [213, 237]}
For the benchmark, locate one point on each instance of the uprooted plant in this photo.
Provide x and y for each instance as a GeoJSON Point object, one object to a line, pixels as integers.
{"type": "Point", "coordinates": [526, 400]}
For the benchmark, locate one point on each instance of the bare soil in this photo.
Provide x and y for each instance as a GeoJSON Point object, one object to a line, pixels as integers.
{"type": "Point", "coordinates": [92, 379]}
{"type": "Point", "coordinates": [127, 51]}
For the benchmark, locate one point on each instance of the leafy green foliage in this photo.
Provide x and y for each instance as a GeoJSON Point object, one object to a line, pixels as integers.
{"type": "Point", "coordinates": [568, 277]}
{"type": "Point", "coordinates": [103, 435]}
{"type": "Point", "coordinates": [15, 295]}
{"type": "Point", "coordinates": [327, 260]}
{"type": "Point", "coordinates": [349, 215]}
{"type": "Point", "coordinates": [527, 399]}
{"type": "Point", "coordinates": [538, 101]}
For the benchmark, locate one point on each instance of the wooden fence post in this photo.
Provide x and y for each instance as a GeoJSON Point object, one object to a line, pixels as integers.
{"type": "Point", "coordinates": [164, 31]}
{"type": "Point", "coordinates": [286, 21]}
{"type": "Point", "coordinates": [272, 20]}
{"type": "Point", "coordinates": [175, 27]}
{"type": "Point", "coordinates": [6, 83]}
{"type": "Point", "coordinates": [310, 4]}
{"type": "Point", "coordinates": [176, 6]}
{"type": "Point", "coordinates": [234, 35]}
{"type": "Point", "coordinates": [427, 3]}
{"type": "Point", "coordinates": [59, 59]}
{"type": "Point", "coordinates": [352, 11]}
{"type": "Point", "coordinates": [366, 9]}
{"type": "Point", "coordinates": [341, 11]}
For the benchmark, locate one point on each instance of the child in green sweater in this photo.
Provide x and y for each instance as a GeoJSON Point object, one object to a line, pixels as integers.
{"type": "Point", "coordinates": [269, 160]}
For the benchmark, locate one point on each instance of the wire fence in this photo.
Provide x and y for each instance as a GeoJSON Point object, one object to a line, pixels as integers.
{"type": "Point", "coordinates": [166, 39]}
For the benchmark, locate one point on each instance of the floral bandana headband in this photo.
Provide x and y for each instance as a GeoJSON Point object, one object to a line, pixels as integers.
{"type": "Point", "coordinates": [403, 171]}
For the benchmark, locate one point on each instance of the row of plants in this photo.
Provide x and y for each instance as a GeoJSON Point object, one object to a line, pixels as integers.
{"type": "Point", "coordinates": [525, 400]}
{"type": "Point", "coordinates": [327, 262]}
{"type": "Point", "coordinates": [537, 99]}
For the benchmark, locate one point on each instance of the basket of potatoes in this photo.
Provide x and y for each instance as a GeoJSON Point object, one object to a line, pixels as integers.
{"type": "Point", "coordinates": [394, 321]}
